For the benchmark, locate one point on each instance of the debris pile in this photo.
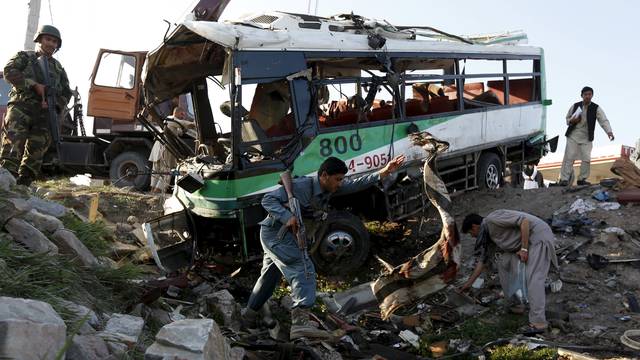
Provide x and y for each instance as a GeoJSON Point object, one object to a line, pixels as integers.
{"type": "Point", "coordinates": [592, 301]}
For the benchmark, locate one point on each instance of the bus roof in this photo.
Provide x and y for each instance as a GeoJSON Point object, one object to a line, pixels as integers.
{"type": "Point", "coordinates": [346, 33]}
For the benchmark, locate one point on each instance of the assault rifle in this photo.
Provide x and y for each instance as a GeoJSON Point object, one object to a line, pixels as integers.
{"type": "Point", "coordinates": [51, 102]}
{"type": "Point", "coordinates": [300, 233]}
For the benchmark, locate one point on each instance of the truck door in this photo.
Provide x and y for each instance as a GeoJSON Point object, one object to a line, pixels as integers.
{"type": "Point", "coordinates": [115, 86]}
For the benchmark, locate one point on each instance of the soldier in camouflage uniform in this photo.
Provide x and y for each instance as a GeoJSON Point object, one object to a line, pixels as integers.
{"type": "Point", "coordinates": [26, 135]}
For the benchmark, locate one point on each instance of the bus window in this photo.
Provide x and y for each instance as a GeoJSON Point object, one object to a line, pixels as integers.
{"type": "Point", "coordinates": [428, 86]}
{"type": "Point", "coordinates": [268, 121]}
{"type": "Point", "coordinates": [344, 101]}
{"type": "Point", "coordinates": [479, 75]}
{"type": "Point", "coordinates": [523, 85]}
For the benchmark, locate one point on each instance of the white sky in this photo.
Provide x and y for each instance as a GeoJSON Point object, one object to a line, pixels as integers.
{"type": "Point", "coordinates": [588, 42]}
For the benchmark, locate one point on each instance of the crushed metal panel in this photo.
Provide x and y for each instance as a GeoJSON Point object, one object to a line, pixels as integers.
{"type": "Point", "coordinates": [182, 59]}
{"type": "Point", "coordinates": [170, 241]}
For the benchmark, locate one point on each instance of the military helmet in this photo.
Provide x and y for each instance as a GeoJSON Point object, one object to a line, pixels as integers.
{"type": "Point", "coordinates": [49, 30]}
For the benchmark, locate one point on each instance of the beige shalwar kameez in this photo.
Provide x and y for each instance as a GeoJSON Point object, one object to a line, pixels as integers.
{"type": "Point", "coordinates": [504, 230]}
{"type": "Point", "coordinates": [578, 144]}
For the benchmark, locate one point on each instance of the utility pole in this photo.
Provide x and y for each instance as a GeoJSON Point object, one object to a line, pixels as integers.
{"type": "Point", "coordinates": [32, 24]}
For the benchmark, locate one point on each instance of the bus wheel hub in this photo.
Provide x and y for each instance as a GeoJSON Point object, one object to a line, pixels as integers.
{"type": "Point", "coordinates": [336, 244]}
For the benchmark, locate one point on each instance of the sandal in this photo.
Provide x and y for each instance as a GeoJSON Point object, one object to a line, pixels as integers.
{"type": "Point", "coordinates": [531, 330]}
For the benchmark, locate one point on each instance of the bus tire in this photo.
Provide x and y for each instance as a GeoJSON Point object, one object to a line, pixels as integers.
{"type": "Point", "coordinates": [343, 244]}
{"type": "Point", "coordinates": [489, 175]}
{"type": "Point", "coordinates": [130, 168]}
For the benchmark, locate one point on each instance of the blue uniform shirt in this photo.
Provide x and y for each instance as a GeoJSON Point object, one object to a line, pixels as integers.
{"type": "Point", "coordinates": [311, 197]}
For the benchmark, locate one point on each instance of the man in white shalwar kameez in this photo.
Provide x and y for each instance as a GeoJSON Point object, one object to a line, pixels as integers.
{"type": "Point", "coordinates": [162, 159]}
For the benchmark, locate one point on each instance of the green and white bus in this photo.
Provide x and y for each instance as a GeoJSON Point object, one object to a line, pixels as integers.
{"type": "Point", "coordinates": [302, 88]}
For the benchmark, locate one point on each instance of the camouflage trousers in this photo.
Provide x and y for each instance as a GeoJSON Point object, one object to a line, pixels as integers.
{"type": "Point", "coordinates": [25, 140]}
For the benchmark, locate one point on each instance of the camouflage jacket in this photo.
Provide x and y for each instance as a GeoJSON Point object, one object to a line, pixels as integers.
{"type": "Point", "coordinates": [23, 71]}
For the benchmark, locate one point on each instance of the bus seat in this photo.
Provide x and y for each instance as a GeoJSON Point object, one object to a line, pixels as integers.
{"type": "Point", "coordinates": [471, 90]}
{"type": "Point", "coordinates": [520, 90]}
{"type": "Point", "coordinates": [251, 131]}
{"type": "Point", "coordinates": [416, 107]}
{"type": "Point", "coordinates": [441, 105]}
{"type": "Point", "coordinates": [490, 97]}
{"type": "Point", "coordinates": [345, 118]}
{"type": "Point", "coordinates": [378, 103]}
{"type": "Point", "coordinates": [381, 113]}
{"type": "Point", "coordinates": [286, 126]}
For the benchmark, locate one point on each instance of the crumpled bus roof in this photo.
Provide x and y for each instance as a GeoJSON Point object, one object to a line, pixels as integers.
{"type": "Point", "coordinates": [197, 49]}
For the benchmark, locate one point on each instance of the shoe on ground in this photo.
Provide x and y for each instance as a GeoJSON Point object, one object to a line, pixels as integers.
{"type": "Point", "coordinates": [531, 330]}
{"type": "Point", "coordinates": [252, 320]}
{"type": "Point", "coordinates": [560, 183]}
{"type": "Point", "coordinates": [518, 309]}
{"type": "Point", "coordinates": [583, 182]}
{"type": "Point", "coordinates": [302, 327]}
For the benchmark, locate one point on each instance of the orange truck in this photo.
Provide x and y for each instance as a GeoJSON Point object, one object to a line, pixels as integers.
{"type": "Point", "coordinates": [120, 146]}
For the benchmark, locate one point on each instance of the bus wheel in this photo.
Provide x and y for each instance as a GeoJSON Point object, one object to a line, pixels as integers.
{"type": "Point", "coordinates": [344, 244]}
{"type": "Point", "coordinates": [489, 173]}
{"type": "Point", "coordinates": [130, 168]}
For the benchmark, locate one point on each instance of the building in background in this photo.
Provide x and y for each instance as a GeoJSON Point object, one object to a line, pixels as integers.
{"type": "Point", "coordinates": [601, 160]}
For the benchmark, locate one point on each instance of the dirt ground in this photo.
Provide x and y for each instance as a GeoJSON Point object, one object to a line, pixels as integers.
{"type": "Point", "coordinates": [589, 309]}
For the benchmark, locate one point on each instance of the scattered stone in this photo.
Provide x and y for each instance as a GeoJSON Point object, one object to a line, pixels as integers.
{"type": "Point", "coordinates": [574, 317]}
{"type": "Point", "coordinates": [107, 262]}
{"type": "Point", "coordinates": [224, 302]}
{"type": "Point", "coordinates": [142, 256]}
{"type": "Point", "coordinates": [78, 313]}
{"type": "Point", "coordinates": [191, 339]}
{"type": "Point", "coordinates": [326, 352]}
{"type": "Point", "coordinates": [237, 353]}
{"type": "Point", "coordinates": [69, 244]}
{"type": "Point", "coordinates": [203, 289]}
{"type": "Point", "coordinates": [87, 347]}
{"type": "Point", "coordinates": [6, 180]}
{"type": "Point", "coordinates": [117, 348]}
{"type": "Point", "coordinates": [43, 222]}
{"type": "Point", "coordinates": [132, 220]}
{"type": "Point", "coordinates": [120, 250]}
{"type": "Point", "coordinates": [124, 329]}
{"type": "Point", "coordinates": [160, 316]}
{"type": "Point", "coordinates": [10, 208]}
{"type": "Point", "coordinates": [173, 291]}
{"type": "Point", "coordinates": [594, 331]}
{"type": "Point", "coordinates": [124, 228]}
{"type": "Point", "coordinates": [30, 237]}
{"type": "Point", "coordinates": [29, 330]}
{"type": "Point", "coordinates": [47, 207]}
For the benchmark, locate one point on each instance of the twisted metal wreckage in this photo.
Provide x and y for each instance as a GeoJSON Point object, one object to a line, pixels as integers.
{"type": "Point", "coordinates": [431, 270]}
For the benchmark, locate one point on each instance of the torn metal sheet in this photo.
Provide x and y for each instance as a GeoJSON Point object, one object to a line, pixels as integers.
{"type": "Point", "coordinates": [431, 270]}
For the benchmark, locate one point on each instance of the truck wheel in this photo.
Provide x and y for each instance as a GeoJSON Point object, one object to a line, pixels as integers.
{"type": "Point", "coordinates": [344, 244]}
{"type": "Point", "coordinates": [489, 173]}
{"type": "Point", "coordinates": [131, 168]}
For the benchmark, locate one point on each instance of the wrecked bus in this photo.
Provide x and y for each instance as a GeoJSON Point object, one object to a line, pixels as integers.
{"type": "Point", "coordinates": [301, 88]}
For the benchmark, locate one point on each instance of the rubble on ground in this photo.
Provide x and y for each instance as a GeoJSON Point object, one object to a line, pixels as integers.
{"type": "Point", "coordinates": [196, 314]}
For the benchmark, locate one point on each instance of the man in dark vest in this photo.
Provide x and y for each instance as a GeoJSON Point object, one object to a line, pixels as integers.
{"type": "Point", "coordinates": [581, 120]}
